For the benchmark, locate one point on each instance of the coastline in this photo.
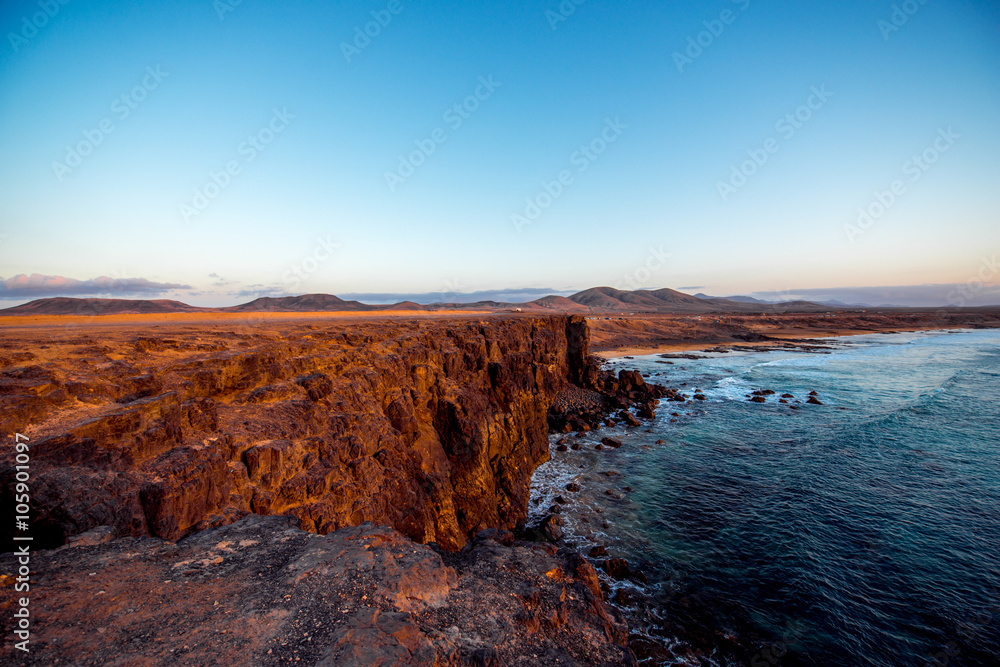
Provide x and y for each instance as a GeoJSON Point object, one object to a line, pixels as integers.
{"type": "Point", "coordinates": [703, 346]}
{"type": "Point", "coordinates": [609, 487]}
{"type": "Point", "coordinates": [769, 337]}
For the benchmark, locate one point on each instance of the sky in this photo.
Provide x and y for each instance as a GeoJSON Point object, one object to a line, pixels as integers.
{"type": "Point", "coordinates": [216, 151]}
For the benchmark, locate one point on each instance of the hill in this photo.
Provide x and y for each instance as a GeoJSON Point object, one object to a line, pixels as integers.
{"type": "Point", "coordinates": [608, 299]}
{"type": "Point", "coordinates": [69, 306]}
{"type": "Point", "coordinates": [307, 303]}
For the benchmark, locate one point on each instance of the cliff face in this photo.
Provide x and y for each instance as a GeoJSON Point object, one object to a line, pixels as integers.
{"type": "Point", "coordinates": [433, 426]}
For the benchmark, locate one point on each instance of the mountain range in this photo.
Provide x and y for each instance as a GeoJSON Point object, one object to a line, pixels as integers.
{"type": "Point", "coordinates": [594, 300]}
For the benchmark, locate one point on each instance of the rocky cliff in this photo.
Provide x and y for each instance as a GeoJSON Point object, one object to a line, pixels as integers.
{"type": "Point", "coordinates": [430, 426]}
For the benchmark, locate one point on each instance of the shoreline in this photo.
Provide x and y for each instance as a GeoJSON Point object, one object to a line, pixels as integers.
{"type": "Point", "coordinates": [602, 492]}
{"type": "Point", "coordinates": [775, 338]}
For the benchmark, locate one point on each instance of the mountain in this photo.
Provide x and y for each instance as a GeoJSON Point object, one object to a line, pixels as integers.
{"type": "Point", "coordinates": [841, 304]}
{"type": "Point", "coordinates": [604, 299]}
{"type": "Point", "coordinates": [558, 303]}
{"type": "Point", "coordinates": [670, 296]}
{"type": "Point", "coordinates": [62, 305]}
{"type": "Point", "coordinates": [476, 305]}
{"type": "Point", "coordinates": [307, 303]}
{"type": "Point", "coordinates": [402, 305]}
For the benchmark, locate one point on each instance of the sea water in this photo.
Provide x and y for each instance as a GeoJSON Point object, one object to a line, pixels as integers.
{"type": "Point", "coordinates": [864, 531]}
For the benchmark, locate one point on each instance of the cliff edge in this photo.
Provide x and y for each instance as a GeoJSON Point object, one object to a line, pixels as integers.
{"type": "Point", "coordinates": [432, 427]}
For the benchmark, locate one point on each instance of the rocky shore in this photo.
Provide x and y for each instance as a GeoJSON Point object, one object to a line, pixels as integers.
{"type": "Point", "coordinates": [605, 399]}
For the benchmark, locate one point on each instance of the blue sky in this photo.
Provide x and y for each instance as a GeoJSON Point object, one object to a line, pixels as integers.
{"type": "Point", "coordinates": [213, 152]}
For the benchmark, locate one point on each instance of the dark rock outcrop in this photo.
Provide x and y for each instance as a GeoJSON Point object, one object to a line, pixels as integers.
{"type": "Point", "coordinates": [617, 568]}
{"type": "Point", "coordinates": [588, 407]}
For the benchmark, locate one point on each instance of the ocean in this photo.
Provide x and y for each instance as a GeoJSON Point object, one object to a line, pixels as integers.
{"type": "Point", "coordinates": [863, 531]}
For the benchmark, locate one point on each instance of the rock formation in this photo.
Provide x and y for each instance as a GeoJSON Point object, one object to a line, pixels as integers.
{"type": "Point", "coordinates": [430, 426]}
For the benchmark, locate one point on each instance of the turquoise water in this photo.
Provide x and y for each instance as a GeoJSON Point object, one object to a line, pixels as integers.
{"type": "Point", "coordinates": [864, 531]}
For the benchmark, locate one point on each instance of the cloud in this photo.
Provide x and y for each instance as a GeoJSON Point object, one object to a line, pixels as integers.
{"type": "Point", "coordinates": [39, 286]}
{"type": "Point", "coordinates": [257, 291]}
{"type": "Point", "coordinates": [220, 281]}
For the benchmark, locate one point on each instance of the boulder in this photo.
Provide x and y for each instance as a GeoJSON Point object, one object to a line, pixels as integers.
{"type": "Point", "coordinates": [629, 419]}
{"type": "Point", "coordinates": [616, 568]}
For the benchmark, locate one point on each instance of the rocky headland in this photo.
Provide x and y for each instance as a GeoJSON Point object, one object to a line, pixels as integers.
{"type": "Point", "coordinates": [338, 494]}
{"type": "Point", "coordinates": [433, 428]}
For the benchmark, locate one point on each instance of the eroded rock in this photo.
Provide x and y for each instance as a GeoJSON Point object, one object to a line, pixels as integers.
{"type": "Point", "coordinates": [432, 427]}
